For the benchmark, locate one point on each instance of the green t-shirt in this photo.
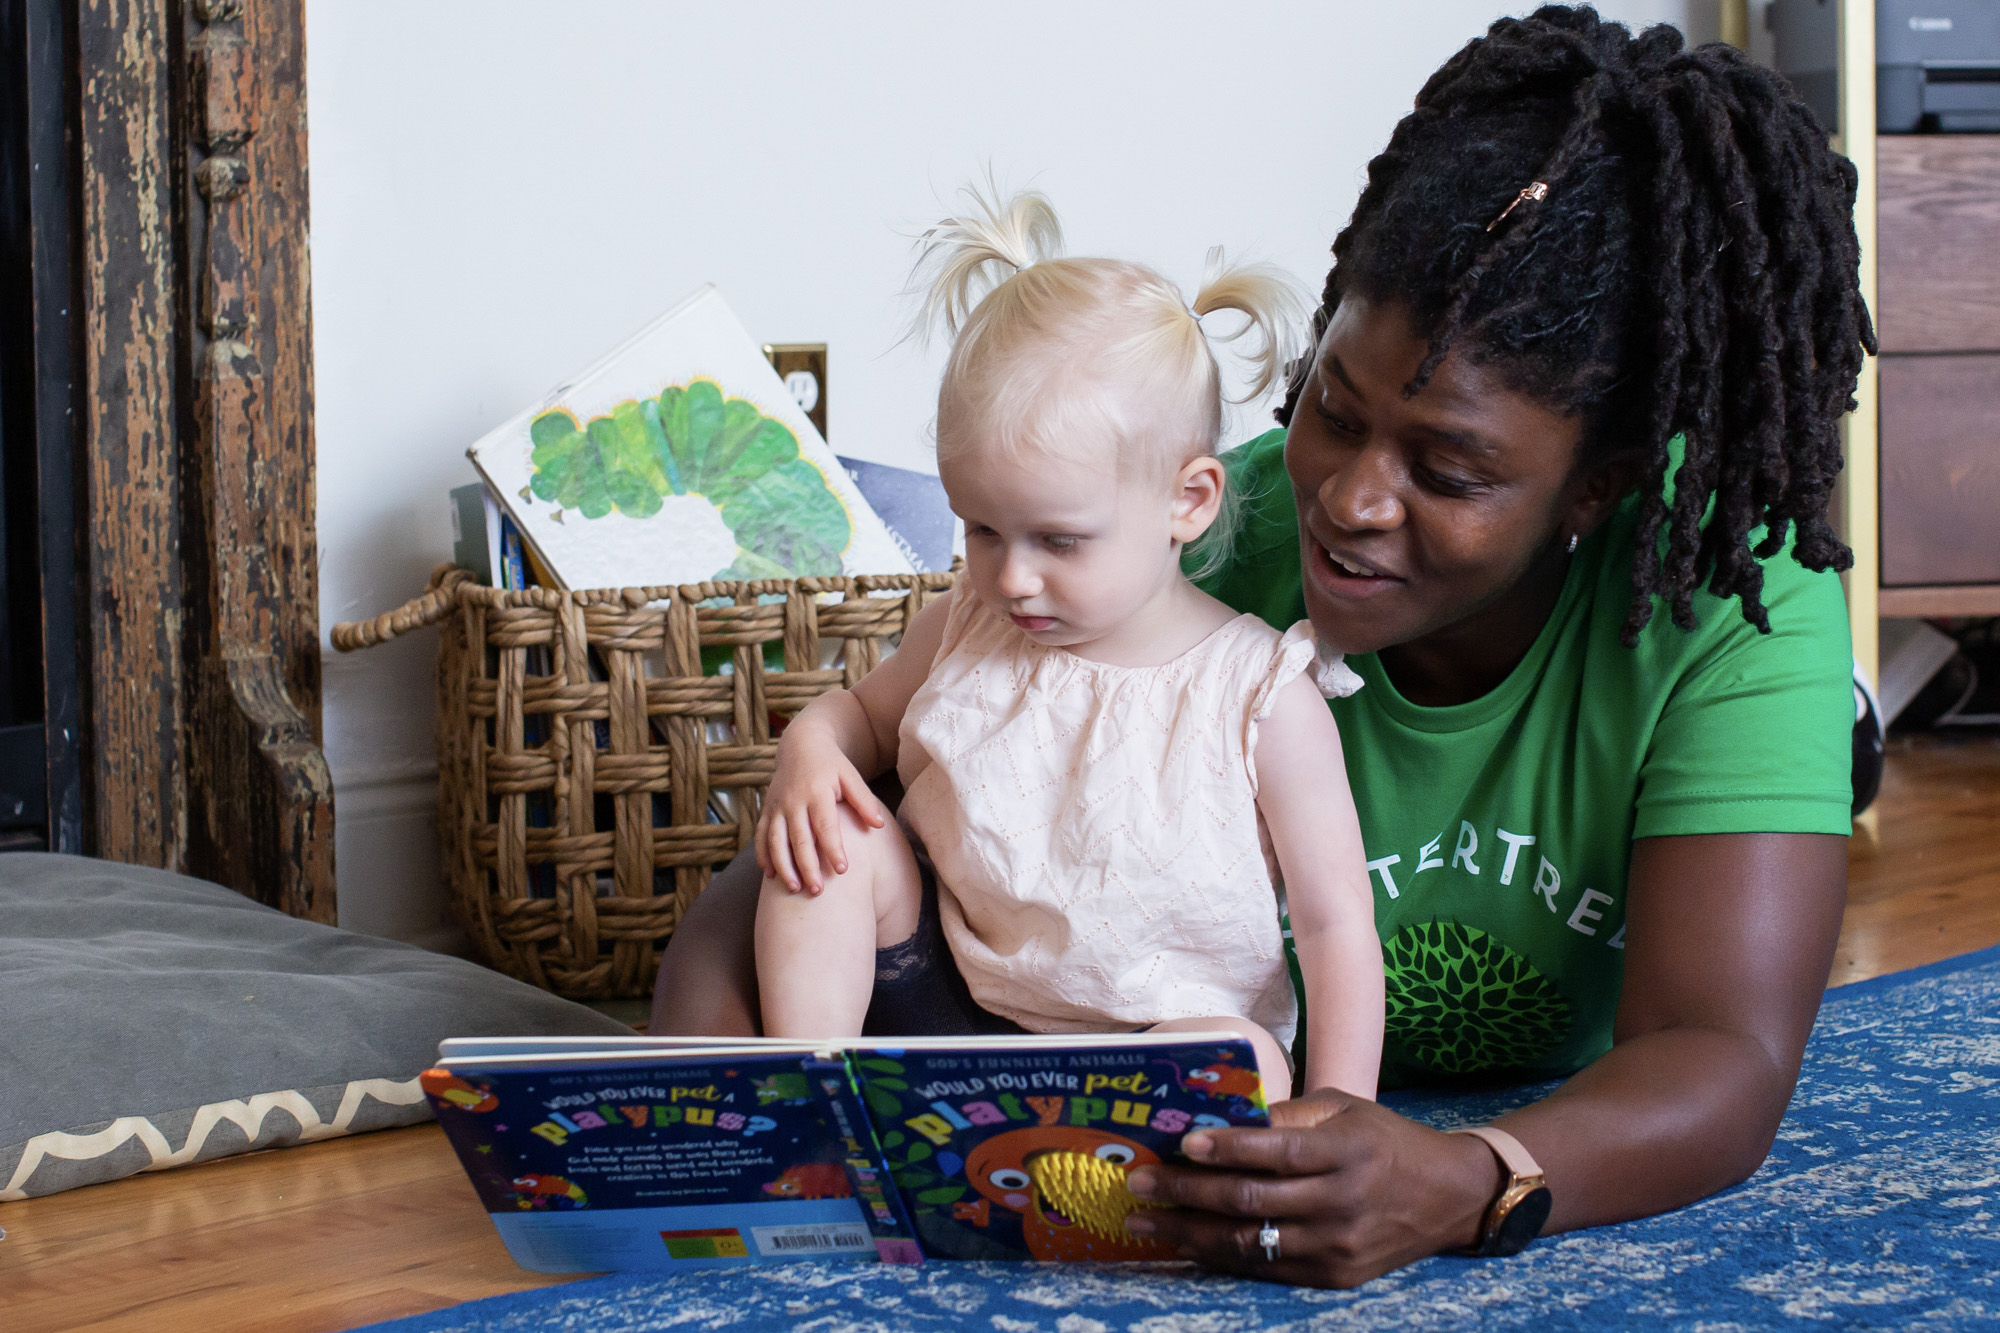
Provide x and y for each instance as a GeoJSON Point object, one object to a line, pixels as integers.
{"type": "Point", "coordinates": [1499, 832]}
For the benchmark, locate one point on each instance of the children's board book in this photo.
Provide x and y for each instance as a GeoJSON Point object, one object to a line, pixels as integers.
{"type": "Point", "coordinates": [622, 1153]}
{"type": "Point", "coordinates": [679, 458]}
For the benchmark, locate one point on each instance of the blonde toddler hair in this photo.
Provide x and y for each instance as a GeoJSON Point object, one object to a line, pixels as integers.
{"type": "Point", "coordinates": [1063, 354]}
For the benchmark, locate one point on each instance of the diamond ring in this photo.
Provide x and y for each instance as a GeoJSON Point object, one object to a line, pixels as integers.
{"type": "Point", "coordinates": [1268, 1238]}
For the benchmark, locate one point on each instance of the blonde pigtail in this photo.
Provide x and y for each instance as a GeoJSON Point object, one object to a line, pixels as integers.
{"type": "Point", "coordinates": [951, 270]}
{"type": "Point", "coordinates": [1118, 366]}
{"type": "Point", "coordinates": [1273, 305]}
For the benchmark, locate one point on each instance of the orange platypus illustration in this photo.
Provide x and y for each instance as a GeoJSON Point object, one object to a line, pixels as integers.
{"type": "Point", "coordinates": [536, 1192]}
{"type": "Point", "coordinates": [999, 1170]}
{"type": "Point", "coordinates": [811, 1180]}
{"type": "Point", "coordinates": [475, 1097]}
{"type": "Point", "coordinates": [1225, 1080]}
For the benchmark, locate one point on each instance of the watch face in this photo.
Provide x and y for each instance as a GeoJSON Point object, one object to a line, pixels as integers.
{"type": "Point", "coordinates": [1522, 1223]}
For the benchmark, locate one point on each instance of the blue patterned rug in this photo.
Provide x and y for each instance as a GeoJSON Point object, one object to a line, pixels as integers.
{"type": "Point", "coordinates": [1879, 1207]}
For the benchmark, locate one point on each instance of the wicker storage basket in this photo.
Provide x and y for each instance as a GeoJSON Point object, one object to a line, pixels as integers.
{"type": "Point", "coordinates": [590, 776]}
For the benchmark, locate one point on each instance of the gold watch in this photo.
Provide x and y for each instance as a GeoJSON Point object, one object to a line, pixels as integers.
{"type": "Point", "coordinates": [1516, 1215]}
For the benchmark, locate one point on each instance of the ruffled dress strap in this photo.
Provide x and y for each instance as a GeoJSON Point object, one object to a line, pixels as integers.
{"type": "Point", "coordinates": [1294, 654]}
{"type": "Point", "coordinates": [1336, 679]}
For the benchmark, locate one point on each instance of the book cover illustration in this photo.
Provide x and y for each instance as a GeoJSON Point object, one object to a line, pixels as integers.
{"type": "Point", "coordinates": [678, 458]}
{"type": "Point", "coordinates": [914, 506]}
{"type": "Point", "coordinates": [665, 1164]}
{"type": "Point", "coordinates": [1022, 1154]}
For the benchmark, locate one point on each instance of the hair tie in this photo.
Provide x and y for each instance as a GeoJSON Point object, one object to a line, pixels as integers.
{"type": "Point", "coordinates": [1538, 191]}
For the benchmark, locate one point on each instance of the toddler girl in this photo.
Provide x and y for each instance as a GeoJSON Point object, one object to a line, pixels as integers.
{"type": "Point", "coordinates": [1099, 760]}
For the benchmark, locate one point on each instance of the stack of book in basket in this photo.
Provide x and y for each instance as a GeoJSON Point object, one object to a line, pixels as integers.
{"type": "Point", "coordinates": [662, 564]}
{"type": "Point", "coordinates": [681, 457]}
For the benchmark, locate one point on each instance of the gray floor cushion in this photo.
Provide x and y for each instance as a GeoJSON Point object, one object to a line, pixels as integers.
{"type": "Point", "coordinates": [150, 1020]}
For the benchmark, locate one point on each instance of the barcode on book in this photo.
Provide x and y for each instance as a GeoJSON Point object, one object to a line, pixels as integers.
{"type": "Point", "coordinates": [826, 1238]}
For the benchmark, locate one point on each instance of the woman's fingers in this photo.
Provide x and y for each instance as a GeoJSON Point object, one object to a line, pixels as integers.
{"type": "Point", "coordinates": [1308, 1138]}
{"type": "Point", "coordinates": [1299, 1169]}
{"type": "Point", "coordinates": [1287, 1152]}
{"type": "Point", "coordinates": [1353, 1189]}
{"type": "Point", "coordinates": [1230, 1194]}
{"type": "Point", "coordinates": [1316, 1108]}
{"type": "Point", "coordinates": [1231, 1246]}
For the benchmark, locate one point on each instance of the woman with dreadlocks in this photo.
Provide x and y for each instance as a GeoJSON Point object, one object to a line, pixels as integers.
{"type": "Point", "coordinates": [1580, 360]}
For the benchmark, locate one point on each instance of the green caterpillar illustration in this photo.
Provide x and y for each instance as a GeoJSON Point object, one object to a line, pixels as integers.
{"type": "Point", "coordinates": [693, 441]}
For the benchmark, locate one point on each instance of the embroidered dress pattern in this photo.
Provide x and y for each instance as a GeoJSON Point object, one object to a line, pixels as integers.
{"type": "Point", "coordinates": [1094, 827]}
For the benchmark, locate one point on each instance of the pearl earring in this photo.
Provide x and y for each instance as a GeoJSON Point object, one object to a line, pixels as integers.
{"type": "Point", "coordinates": [1572, 543]}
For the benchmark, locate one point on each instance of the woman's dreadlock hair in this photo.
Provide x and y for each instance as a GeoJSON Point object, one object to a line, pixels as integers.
{"type": "Point", "coordinates": [1690, 270]}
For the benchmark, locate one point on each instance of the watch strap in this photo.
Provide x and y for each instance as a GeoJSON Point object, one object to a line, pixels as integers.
{"type": "Point", "coordinates": [1519, 1210]}
{"type": "Point", "coordinates": [1517, 1159]}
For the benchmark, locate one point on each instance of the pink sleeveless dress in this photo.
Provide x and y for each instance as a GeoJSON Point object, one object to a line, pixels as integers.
{"type": "Point", "coordinates": [1101, 864]}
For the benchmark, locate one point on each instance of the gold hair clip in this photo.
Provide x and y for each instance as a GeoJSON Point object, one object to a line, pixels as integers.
{"type": "Point", "coordinates": [1537, 192]}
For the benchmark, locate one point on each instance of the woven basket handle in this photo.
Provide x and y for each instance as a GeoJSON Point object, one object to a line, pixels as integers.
{"type": "Point", "coordinates": [437, 603]}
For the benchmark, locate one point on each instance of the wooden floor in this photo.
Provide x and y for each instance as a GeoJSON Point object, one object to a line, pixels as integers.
{"type": "Point", "coordinates": [354, 1230]}
{"type": "Point", "coordinates": [1923, 868]}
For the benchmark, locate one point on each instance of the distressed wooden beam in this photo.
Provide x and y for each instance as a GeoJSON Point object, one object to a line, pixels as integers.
{"type": "Point", "coordinates": [261, 792]}
{"type": "Point", "coordinates": [200, 620]}
{"type": "Point", "coordinates": [132, 602]}
{"type": "Point", "coordinates": [277, 158]}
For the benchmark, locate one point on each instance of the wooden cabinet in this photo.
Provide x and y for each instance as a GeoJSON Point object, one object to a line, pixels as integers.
{"type": "Point", "coordinates": [1938, 225]}
{"type": "Point", "coordinates": [1940, 469]}
{"type": "Point", "coordinates": [1938, 312]}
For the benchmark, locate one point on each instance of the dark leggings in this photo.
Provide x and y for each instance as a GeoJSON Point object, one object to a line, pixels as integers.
{"type": "Point", "coordinates": [918, 989]}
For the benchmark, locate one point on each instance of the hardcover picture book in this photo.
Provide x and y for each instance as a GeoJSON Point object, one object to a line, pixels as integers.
{"type": "Point", "coordinates": [681, 457]}
{"type": "Point", "coordinates": [915, 508]}
{"type": "Point", "coordinates": [640, 1153]}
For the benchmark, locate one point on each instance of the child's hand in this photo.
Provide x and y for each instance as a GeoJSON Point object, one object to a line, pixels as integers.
{"type": "Point", "coordinates": [798, 834]}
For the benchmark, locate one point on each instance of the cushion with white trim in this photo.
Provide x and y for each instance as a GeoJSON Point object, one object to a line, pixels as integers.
{"type": "Point", "coordinates": [150, 1020]}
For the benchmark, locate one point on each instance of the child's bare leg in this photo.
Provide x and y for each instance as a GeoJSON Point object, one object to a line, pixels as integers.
{"type": "Point", "coordinates": [816, 952]}
{"type": "Point", "coordinates": [1271, 1064]}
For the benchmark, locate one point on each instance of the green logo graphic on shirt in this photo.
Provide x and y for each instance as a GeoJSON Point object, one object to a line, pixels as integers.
{"type": "Point", "coordinates": [1460, 1000]}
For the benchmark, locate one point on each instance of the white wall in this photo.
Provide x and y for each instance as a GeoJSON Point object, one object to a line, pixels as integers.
{"type": "Point", "coordinates": [502, 189]}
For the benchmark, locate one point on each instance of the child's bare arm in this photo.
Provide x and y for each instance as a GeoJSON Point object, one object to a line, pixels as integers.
{"type": "Point", "coordinates": [829, 752]}
{"type": "Point", "coordinates": [1303, 794]}
{"type": "Point", "coordinates": [884, 693]}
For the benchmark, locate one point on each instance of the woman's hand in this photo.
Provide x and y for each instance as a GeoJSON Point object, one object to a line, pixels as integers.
{"type": "Point", "coordinates": [798, 833]}
{"type": "Point", "coordinates": [1354, 1190]}
{"type": "Point", "coordinates": [1729, 938]}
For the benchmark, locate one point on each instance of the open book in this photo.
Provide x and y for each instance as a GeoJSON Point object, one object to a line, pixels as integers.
{"type": "Point", "coordinates": [665, 1153]}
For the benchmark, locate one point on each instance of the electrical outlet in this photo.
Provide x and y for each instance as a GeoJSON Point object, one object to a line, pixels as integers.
{"type": "Point", "coordinates": [802, 366]}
